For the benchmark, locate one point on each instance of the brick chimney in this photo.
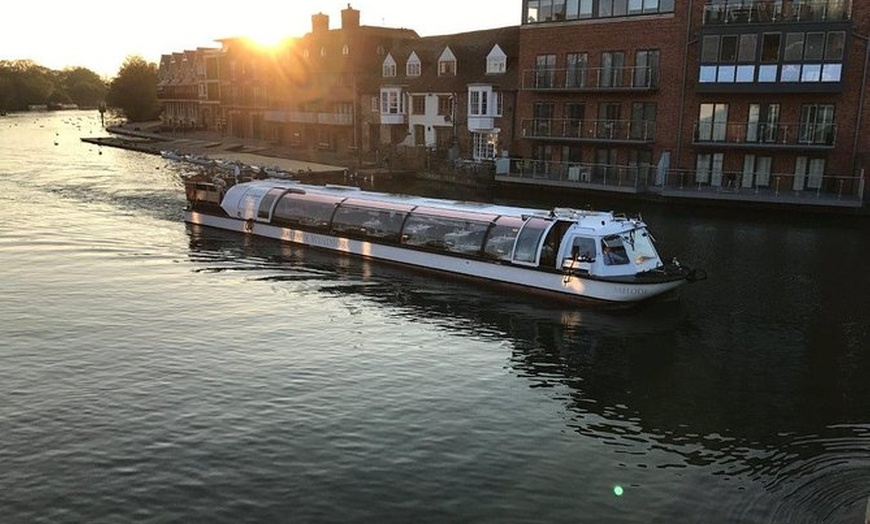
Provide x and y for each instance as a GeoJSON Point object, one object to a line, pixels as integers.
{"type": "Point", "coordinates": [319, 23]}
{"type": "Point", "coordinates": [349, 18]}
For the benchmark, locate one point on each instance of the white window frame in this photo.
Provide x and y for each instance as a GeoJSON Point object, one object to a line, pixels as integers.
{"type": "Point", "coordinates": [389, 67]}
{"type": "Point", "coordinates": [496, 61]}
{"type": "Point", "coordinates": [413, 67]}
{"type": "Point", "coordinates": [392, 101]}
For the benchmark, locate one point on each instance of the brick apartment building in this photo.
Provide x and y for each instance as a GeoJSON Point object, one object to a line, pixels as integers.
{"type": "Point", "coordinates": [724, 99]}
{"type": "Point", "coordinates": [746, 100]}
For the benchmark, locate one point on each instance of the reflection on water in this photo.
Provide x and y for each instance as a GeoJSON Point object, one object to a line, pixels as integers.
{"type": "Point", "coordinates": [625, 377]}
{"type": "Point", "coordinates": [151, 371]}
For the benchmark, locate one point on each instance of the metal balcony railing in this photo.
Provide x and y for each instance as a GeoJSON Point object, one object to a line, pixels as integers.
{"type": "Point", "coordinates": [641, 131]}
{"type": "Point", "coordinates": [766, 135]}
{"type": "Point", "coordinates": [814, 189]}
{"type": "Point", "coordinates": [592, 79]}
{"type": "Point", "coordinates": [775, 11]}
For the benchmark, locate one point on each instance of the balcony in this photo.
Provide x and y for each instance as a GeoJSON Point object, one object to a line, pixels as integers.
{"type": "Point", "coordinates": [775, 11]}
{"type": "Point", "coordinates": [591, 131]}
{"type": "Point", "coordinates": [300, 117]}
{"type": "Point", "coordinates": [754, 135]}
{"type": "Point", "coordinates": [607, 79]}
{"type": "Point", "coordinates": [808, 190]}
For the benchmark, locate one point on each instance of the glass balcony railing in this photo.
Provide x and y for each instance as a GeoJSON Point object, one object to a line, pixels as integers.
{"type": "Point", "coordinates": [819, 135]}
{"type": "Point", "coordinates": [775, 11]}
{"type": "Point", "coordinates": [589, 130]}
{"type": "Point", "coordinates": [592, 79]}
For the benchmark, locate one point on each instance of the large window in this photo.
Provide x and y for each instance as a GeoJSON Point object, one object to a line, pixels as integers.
{"type": "Point", "coordinates": [485, 145]}
{"type": "Point", "coordinates": [542, 11]}
{"type": "Point", "coordinates": [575, 70]}
{"type": "Point", "coordinates": [545, 71]}
{"type": "Point", "coordinates": [418, 105]}
{"type": "Point", "coordinates": [712, 123]}
{"type": "Point", "coordinates": [817, 124]}
{"type": "Point", "coordinates": [543, 118]}
{"type": "Point", "coordinates": [646, 68]}
{"type": "Point", "coordinates": [392, 102]}
{"type": "Point", "coordinates": [612, 67]}
{"type": "Point", "coordinates": [791, 57]}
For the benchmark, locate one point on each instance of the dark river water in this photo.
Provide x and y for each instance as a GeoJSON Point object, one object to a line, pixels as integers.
{"type": "Point", "coordinates": [150, 372]}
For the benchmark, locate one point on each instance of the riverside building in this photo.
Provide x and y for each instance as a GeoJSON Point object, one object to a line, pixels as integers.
{"type": "Point", "coordinates": [728, 100]}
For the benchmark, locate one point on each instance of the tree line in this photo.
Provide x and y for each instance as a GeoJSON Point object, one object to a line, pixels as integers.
{"type": "Point", "coordinates": [132, 93]}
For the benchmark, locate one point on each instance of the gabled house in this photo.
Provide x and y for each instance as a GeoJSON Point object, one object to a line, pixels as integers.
{"type": "Point", "coordinates": [452, 93]}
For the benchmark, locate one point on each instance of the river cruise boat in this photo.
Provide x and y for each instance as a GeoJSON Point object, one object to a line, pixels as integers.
{"type": "Point", "coordinates": [564, 253]}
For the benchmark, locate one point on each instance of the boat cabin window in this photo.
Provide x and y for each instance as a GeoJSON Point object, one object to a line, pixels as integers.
{"type": "Point", "coordinates": [613, 251]}
{"type": "Point", "coordinates": [306, 209]}
{"type": "Point", "coordinates": [502, 236]}
{"type": "Point", "coordinates": [458, 235]}
{"type": "Point", "coordinates": [585, 249]}
{"type": "Point", "coordinates": [368, 221]}
{"type": "Point", "coordinates": [267, 201]}
{"type": "Point", "coordinates": [642, 246]}
{"type": "Point", "coordinates": [529, 240]}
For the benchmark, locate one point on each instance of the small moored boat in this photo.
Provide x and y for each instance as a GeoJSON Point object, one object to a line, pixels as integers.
{"type": "Point", "coordinates": [565, 253]}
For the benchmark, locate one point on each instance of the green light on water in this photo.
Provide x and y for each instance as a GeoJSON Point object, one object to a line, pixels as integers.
{"type": "Point", "coordinates": [618, 491]}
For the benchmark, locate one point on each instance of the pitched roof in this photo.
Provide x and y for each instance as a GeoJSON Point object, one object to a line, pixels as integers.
{"type": "Point", "coordinates": [470, 49]}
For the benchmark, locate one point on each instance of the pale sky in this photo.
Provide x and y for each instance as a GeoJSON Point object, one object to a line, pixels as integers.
{"type": "Point", "coordinates": [100, 34]}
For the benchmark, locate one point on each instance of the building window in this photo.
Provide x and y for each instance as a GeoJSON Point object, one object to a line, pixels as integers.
{"type": "Point", "coordinates": [392, 102]}
{"type": "Point", "coordinates": [608, 120]}
{"type": "Point", "coordinates": [485, 145]}
{"type": "Point", "coordinates": [575, 70]}
{"type": "Point", "coordinates": [543, 118]}
{"type": "Point", "coordinates": [412, 66]}
{"type": "Point", "coordinates": [808, 173]}
{"type": "Point", "coordinates": [345, 50]}
{"type": "Point", "coordinates": [575, 113]}
{"type": "Point", "coordinates": [418, 105]}
{"type": "Point", "coordinates": [763, 123]}
{"type": "Point", "coordinates": [708, 168]}
{"type": "Point", "coordinates": [447, 63]}
{"type": "Point", "coordinates": [478, 102]}
{"type": "Point", "coordinates": [445, 105]}
{"type": "Point", "coordinates": [545, 71]}
{"type": "Point", "coordinates": [793, 57]}
{"type": "Point", "coordinates": [389, 69]}
{"type": "Point", "coordinates": [646, 68]}
{"type": "Point", "coordinates": [712, 123]}
{"type": "Point", "coordinates": [496, 61]}
{"type": "Point", "coordinates": [375, 105]}
{"type": "Point", "coordinates": [756, 171]}
{"type": "Point", "coordinates": [643, 121]}
{"type": "Point", "coordinates": [612, 67]}
{"type": "Point", "coordinates": [817, 124]}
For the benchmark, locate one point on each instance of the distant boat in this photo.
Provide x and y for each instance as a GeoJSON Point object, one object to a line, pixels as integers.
{"type": "Point", "coordinates": [564, 253]}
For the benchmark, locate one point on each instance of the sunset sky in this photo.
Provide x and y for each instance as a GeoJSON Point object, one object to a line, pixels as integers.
{"type": "Point", "coordinates": [100, 34]}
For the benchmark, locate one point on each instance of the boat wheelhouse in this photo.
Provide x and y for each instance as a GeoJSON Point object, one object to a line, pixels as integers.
{"type": "Point", "coordinates": [566, 253]}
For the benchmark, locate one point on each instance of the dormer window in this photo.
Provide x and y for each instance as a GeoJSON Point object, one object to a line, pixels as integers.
{"type": "Point", "coordinates": [496, 61]}
{"type": "Point", "coordinates": [413, 67]}
{"type": "Point", "coordinates": [447, 63]}
{"type": "Point", "coordinates": [389, 68]}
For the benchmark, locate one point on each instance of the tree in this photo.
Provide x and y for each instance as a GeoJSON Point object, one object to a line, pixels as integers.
{"type": "Point", "coordinates": [24, 83]}
{"type": "Point", "coordinates": [134, 91]}
{"type": "Point", "coordinates": [83, 86]}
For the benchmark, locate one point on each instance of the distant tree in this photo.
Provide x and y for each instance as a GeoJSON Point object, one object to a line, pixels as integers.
{"type": "Point", "coordinates": [23, 82]}
{"type": "Point", "coordinates": [134, 91]}
{"type": "Point", "coordinates": [83, 86]}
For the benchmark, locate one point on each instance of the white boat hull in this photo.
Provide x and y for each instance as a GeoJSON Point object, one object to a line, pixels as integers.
{"type": "Point", "coordinates": [567, 287]}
